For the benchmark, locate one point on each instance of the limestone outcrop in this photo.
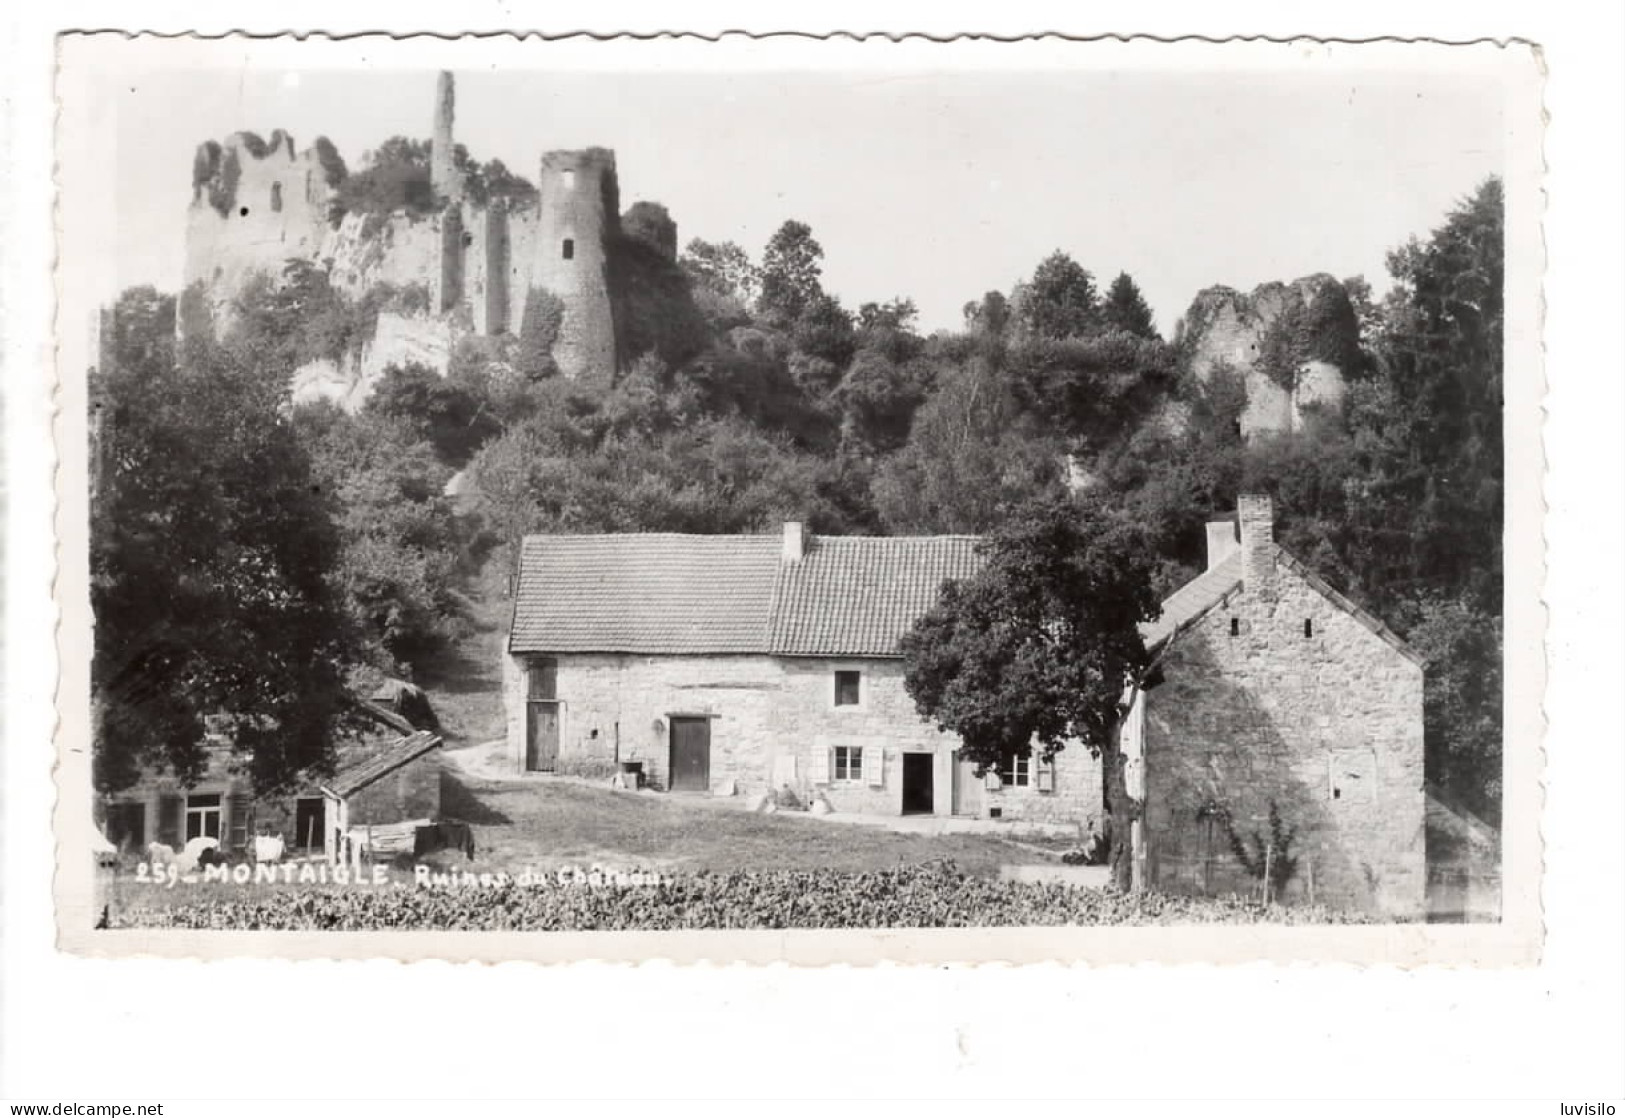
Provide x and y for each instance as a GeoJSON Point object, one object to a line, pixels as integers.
{"type": "Point", "coordinates": [1294, 346]}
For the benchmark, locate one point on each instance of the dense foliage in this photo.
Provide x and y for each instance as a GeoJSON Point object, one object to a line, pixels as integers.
{"type": "Point", "coordinates": [919, 896]}
{"type": "Point", "coordinates": [396, 178]}
{"type": "Point", "coordinates": [212, 560]}
{"type": "Point", "coordinates": [1034, 651]}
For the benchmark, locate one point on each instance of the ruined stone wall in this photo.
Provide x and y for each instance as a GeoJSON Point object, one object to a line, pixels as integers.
{"type": "Point", "coordinates": [578, 213]}
{"type": "Point", "coordinates": [1226, 327]}
{"type": "Point", "coordinates": [250, 213]}
{"type": "Point", "coordinates": [1328, 726]}
{"type": "Point", "coordinates": [773, 723]}
{"type": "Point", "coordinates": [398, 339]}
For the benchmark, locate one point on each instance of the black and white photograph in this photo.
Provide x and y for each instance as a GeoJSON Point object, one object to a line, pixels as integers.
{"type": "Point", "coordinates": [518, 494]}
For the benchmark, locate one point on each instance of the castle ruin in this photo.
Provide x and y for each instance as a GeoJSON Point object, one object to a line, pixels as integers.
{"type": "Point", "coordinates": [479, 262]}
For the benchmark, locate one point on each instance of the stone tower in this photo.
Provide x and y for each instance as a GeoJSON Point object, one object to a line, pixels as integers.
{"type": "Point", "coordinates": [443, 177]}
{"type": "Point", "coordinates": [579, 211]}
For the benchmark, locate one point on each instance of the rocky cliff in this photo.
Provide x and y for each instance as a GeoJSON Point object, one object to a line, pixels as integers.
{"type": "Point", "coordinates": [1294, 345]}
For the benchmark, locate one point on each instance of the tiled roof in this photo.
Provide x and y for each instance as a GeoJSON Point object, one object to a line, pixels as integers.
{"type": "Point", "coordinates": [1211, 587]}
{"type": "Point", "coordinates": [676, 594]}
{"type": "Point", "coordinates": [856, 596]}
{"type": "Point", "coordinates": [1193, 599]}
{"type": "Point", "coordinates": [654, 593]}
{"type": "Point", "coordinates": [403, 751]}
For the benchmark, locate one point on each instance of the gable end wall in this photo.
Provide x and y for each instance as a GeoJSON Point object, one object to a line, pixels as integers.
{"type": "Point", "coordinates": [1270, 715]}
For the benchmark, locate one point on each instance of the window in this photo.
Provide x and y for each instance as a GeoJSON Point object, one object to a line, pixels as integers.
{"type": "Point", "coordinates": [1016, 772]}
{"type": "Point", "coordinates": [1235, 626]}
{"type": "Point", "coordinates": [848, 689]}
{"type": "Point", "coordinates": [848, 764]}
{"type": "Point", "coordinates": [1308, 627]}
{"type": "Point", "coordinates": [569, 248]}
{"type": "Point", "coordinates": [569, 178]}
{"type": "Point", "coordinates": [203, 816]}
{"type": "Point", "coordinates": [1351, 776]}
{"type": "Point", "coordinates": [276, 197]}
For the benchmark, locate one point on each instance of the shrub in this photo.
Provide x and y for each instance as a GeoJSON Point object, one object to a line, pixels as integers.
{"type": "Point", "coordinates": [932, 895]}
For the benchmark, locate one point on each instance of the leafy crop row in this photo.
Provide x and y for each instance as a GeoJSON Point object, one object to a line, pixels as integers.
{"type": "Point", "coordinates": [925, 896]}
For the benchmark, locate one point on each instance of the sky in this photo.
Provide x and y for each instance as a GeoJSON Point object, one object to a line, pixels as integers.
{"type": "Point", "coordinates": [932, 185]}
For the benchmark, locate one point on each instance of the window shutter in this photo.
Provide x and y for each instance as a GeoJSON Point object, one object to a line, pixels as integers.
{"type": "Point", "coordinates": [874, 764]}
{"type": "Point", "coordinates": [241, 820]}
{"type": "Point", "coordinates": [171, 817]}
{"type": "Point", "coordinates": [991, 781]}
{"type": "Point", "coordinates": [1046, 775]}
{"type": "Point", "coordinates": [820, 761]}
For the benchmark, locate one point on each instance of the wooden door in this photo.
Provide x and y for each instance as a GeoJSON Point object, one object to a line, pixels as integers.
{"type": "Point", "coordinates": [690, 754]}
{"type": "Point", "coordinates": [967, 788]}
{"type": "Point", "coordinates": [542, 737]}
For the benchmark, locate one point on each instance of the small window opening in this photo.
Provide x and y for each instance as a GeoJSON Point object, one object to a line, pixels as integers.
{"type": "Point", "coordinates": [1308, 627]}
{"type": "Point", "coordinates": [569, 249]}
{"type": "Point", "coordinates": [243, 212]}
{"type": "Point", "coordinates": [276, 197]}
{"type": "Point", "coordinates": [468, 239]}
{"type": "Point", "coordinates": [569, 180]}
{"type": "Point", "coordinates": [1235, 626]}
{"type": "Point", "coordinates": [848, 689]}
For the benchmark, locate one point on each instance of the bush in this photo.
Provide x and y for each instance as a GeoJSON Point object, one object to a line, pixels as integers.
{"type": "Point", "coordinates": [933, 895]}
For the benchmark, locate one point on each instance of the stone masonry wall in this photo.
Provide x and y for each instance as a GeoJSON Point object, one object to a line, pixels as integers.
{"type": "Point", "coordinates": [1228, 327]}
{"type": "Point", "coordinates": [410, 792]}
{"type": "Point", "coordinates": [1328, 726]}
{"type": "Point", "coordinates": [773, 723]}
{"type": "Point", "coordinates": [278, 210]}
{"type": "Point", "coordinates": [578, 213]}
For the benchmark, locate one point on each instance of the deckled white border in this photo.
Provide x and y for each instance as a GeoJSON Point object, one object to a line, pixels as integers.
{"type": "Point", "coordinates": [990, 1032]}
{"type": "Point", "coordinates": [86, 221]}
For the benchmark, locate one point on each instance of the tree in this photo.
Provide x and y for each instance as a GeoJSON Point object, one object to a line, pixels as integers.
{"type": "Point", "coordinates": [395, 178]}
{"type": "Point", "coordinates": [1060, 301]}
{"type": "Point", "coordinates": [723, 268]}
{"type": "Point", "coordinates": [1126, 309]}
{"type": "Point", "coordinates": [444, 414]}
{"type": "Point", "coordinates": [1095, 388]}
{"type": "Point", "coordinates": [790, 273]}
{"type": "Point", "coordinates": [213, 550]}
{"type": "Point", "coordinates": [989, 316]}
{"type": "Point", "coordinates": [1035, 651]}
{"type": "Point", "coordinates": [401, 551]}
{"type": "Point", "coordinates": [971, 458]}
{"type": "Point", "coordinates": [824, 329]}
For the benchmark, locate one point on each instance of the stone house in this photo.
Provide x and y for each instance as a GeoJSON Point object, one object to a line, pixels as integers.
{"type": "Point", "coordinates": [398, 783]}
{"type": "Point", "coordinates": [1270, 691]}
{"type": "Point", "coordinates": [743, 664]}
{"type": "Point", "coordinates": [221, 803]}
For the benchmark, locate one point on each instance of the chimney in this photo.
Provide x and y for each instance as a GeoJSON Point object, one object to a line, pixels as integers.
{"type": "Point", "coordinates": [1221, 542]}
{"type": "Point", "coordinates": [795, 541]}
{"type": "Point", "coordinates": [1257, 516]}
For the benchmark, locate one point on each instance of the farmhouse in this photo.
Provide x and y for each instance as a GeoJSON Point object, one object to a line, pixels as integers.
{"type": "Point", "coordinates": [221, 803]}
{"type": "Point", "coordinates": [1273, 695]}
{"type": "Point", "coordinates": [752, 663]}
